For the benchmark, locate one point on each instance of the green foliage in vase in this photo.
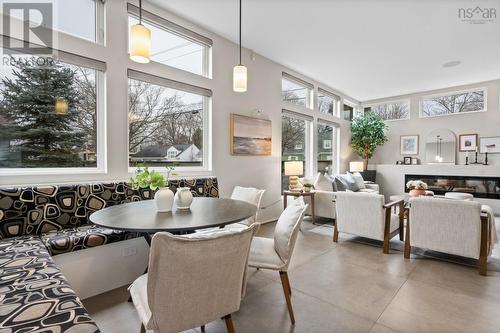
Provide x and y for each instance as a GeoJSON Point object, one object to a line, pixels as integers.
{"type": "Point", "coordinates": [368, 132]}
{"type": "Point", "coordinates": [145, 178]}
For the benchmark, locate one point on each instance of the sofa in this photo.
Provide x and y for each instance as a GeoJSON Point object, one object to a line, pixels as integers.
{"type": "Point", "coordinates": [325, 187]}
{"type": "Point", "coordinates": [38, 222]}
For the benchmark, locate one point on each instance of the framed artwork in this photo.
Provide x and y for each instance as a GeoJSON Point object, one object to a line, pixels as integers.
{"type": "Point", "coordinates": [407, 160]}
{"type": "Point", "coordinates": [250, 136]}
{"type": "Point", "coordinates": [468, 142]}
{"type": "Point", "coordinates": [409, 145]}
{"type": "Point", "coordinates": [490, 145]}
{"type": "Point", "coordinates": [414, 161]}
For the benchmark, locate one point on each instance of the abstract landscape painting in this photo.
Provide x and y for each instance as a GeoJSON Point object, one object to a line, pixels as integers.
{"type": "Point", "coordinates": [250, 136]}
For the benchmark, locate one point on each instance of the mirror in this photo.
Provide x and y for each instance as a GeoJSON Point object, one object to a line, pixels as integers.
{"type": "Point", "coordinates": [440, 147]}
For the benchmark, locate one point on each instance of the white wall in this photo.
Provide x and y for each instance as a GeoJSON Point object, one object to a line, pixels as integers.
{"type": "Point", "coordinates": [264, 93]}
{"type": "Point", "coordinates": [483, 123]}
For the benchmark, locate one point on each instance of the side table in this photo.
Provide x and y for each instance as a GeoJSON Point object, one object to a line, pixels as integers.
{"type": "Point", "coordinates": [300, 194]}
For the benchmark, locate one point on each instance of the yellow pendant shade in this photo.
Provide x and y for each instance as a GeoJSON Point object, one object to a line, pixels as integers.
{"type": "Point", "coordinates": [61, 107]}
{"type": "Point", "coordinates": [240, 79]}
{"type": "Point", "coordinates": [140, 43]}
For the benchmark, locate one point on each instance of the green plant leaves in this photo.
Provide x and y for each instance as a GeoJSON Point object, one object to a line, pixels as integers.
{"type": "Point", "coordinates": [368, 132]}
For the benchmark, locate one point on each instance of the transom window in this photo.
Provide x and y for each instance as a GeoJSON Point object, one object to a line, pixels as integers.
{"type": "Point", "coordinates": [328, 103]}
{"type": "Point", "coordinates": [174, 45]}
{"type": "Point", "coordinates": [326, 136]}
{"type": "Point", "coordinates": [296, 91]}
{"type": "Point", "coordinates": [390, 111]}
{"type": "Point", "coordinates": [455, 103]}
{"type": "Point", "coordinates": [168, 122]}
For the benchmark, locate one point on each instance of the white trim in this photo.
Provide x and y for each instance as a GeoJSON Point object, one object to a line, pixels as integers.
{"type": "Point", "coordinates": [450, 93]}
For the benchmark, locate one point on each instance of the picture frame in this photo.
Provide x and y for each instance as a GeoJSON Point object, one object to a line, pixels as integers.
{"type": "Point", "coordinates": [414, 161]}
{"type": "Point", "coordinates": [409, 144]}
{"type": "Point", "coordinates": [468, 142]}
{"type": "Point", "coordinates": [490, 145]}
{"type": "Point", "coordinates": [407, 160]}
{"type": "Point", "coordinates": [250, 136]}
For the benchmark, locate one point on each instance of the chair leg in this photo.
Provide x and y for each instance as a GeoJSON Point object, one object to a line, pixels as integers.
{"type": "Point", "coordinates": [202, 328]}
{"type": "Point", "coordinates": [335, 233]}
{"type": "Point", "coordinates": [143, 329]}
{"type": "Point", "coordinates": [229, 323]}
{"type": "Point", "coordinates": [407, 238]}
{"type": "Point", "coordinates": [287, 290]}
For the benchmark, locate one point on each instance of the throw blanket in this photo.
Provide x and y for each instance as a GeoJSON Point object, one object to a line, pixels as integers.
{"type": "Point", "coordinates": [493, 237]}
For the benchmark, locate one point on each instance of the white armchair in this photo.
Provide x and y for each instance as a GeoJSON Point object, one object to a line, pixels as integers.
{"type": "Point", "coordinates": [455, 227]}
{"type": "Point", "coordinates": [366, 215]}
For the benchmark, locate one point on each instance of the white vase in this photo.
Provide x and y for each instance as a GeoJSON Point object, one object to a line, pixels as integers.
{"type": "Point", "coordinates": [164, 199]}
{"type": "Point", "coordinates": [183, 198]}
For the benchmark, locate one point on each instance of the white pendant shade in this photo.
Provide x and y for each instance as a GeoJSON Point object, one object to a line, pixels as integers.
{"type": "Point", "coordinates": [61, 107]}
{"type": "Point", "coordinates": [240, 79]}
{"type": "Point", "coordinates": [140, 43]}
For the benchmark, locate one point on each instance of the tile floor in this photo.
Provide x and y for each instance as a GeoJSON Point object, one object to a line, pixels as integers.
{"type": "Point", "coordinates": [349, 287]}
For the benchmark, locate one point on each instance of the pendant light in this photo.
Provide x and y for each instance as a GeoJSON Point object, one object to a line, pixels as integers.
{"type": "Point", "coordinates": [61, 106]}
{"type": "Point", "coordinates": [240, 78]}
{"type": "Point", "coordinates": [140, 41]}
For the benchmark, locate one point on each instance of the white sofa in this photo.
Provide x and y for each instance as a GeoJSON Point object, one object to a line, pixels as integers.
{"type": "Point", "coordinates": [325, 196]}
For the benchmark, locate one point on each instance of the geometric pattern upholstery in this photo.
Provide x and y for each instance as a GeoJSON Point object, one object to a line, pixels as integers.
{"type": "Point", "coordinates": [34, 295]}
{"type": "Point", "coordinates": [84, 237]}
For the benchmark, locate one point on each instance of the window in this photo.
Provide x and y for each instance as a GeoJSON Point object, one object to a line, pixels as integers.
{"type": "Point", "coordinates": [348, 112]}
{"type": "Point", "coordinates": [50, 113]}
{"type": "Point", "coordinates": [328, 103]}
{"type": "Point", "coordinates": [174, 45]}
{"type": "Point", "coordinates": [461, 102]}
{"type": "Point", "coordinates": [294, 141]}
{"type": "Point", "coordinates": [296, 91]}
{"type": "Point", "coordinates": [390, 111]}
{"type": "Point", "coordinates": [168, 122]}
{"type": "Point", "coordinates": [326, 136]}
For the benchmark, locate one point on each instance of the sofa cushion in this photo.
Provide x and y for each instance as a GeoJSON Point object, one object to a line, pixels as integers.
{"type": "Point", "coordinates": [83, 237]}
{"type": "Point", "coordinates": [368, 190]}
{"type": "Point", "coordinates": [35, 296]}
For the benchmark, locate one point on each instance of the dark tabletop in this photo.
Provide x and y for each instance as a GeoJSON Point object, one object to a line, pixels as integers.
{"type": "Point", "coordinates": [141, 216]}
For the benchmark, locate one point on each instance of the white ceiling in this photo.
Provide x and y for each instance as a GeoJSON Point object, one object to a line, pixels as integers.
{"type": "Point", "coordinates": [364, 48]}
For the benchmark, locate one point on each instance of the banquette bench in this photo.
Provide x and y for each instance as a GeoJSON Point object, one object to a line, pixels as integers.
{"type": "Point", "coordinates": [38, 222]}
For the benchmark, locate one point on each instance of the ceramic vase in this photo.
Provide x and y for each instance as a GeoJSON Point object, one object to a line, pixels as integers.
{"type": "Point", "coordinates": [417, 193]}
{"type": "Point", "coordinates": [164, 199]}
{"type": "Point", "coordinates": [183, 198]}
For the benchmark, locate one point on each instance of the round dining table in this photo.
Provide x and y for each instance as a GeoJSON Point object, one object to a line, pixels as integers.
{"type": "Point", "coordinates": [143, 217]}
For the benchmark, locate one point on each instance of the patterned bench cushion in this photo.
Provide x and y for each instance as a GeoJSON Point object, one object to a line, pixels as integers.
{"type": "Point", "coordinates": [78, 238]}
{"type": "Point", "coordinates": [34, 295]}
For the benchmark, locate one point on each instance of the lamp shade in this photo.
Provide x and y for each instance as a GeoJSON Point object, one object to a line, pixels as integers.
{"type": "Point", "coordinates": [61, 106]}
{"type": "Point", "coordinates": [140, 43]}
{"type": "Point", "coordinates": [356, 166]}
{"type": "Point", "coordinates": [294, 168]}
{"type": "Point", "coordinates": [240, 78]}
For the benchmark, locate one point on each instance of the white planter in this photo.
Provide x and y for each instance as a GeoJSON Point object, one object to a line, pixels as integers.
{"type": "Point", "coordinates": [183, 198]}
{"type": "Point", "coordinates": [164, 200]}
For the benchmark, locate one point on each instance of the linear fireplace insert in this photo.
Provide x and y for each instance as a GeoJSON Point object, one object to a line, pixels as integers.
{"type": "Point", "coordinates": [480, 187]}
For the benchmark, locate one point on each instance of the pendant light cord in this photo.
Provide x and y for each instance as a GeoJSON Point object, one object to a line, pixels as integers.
{"type": "Point", "coordinates": [140, 11]}
{"type": "Point", "coordinates": [240, 32]}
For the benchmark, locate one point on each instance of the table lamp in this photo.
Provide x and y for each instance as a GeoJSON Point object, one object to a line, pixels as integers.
{"type": "Point", "coordinates": [356, 166]}
{"type": "Point", "coordinates": [293, 169]}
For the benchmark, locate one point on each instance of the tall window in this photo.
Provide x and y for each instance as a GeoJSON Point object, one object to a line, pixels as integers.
{"type": "Point", "coordinates": [326, 155]}
{"type": "Point", "coordinates": [294, 142]}
{"type": "Point", "coordinates": [167, 125]}
{"type": "Point", "coordinates": [328, 103]}
{"type": "Point", "coordinates": [390, 111]}
{"type": "Point", "coordinates": [49, 113]}
{"type": "Point", "coordinates": [462, 102]}
{"type": "Point", "coordinates": [174, 45]}
{"type": "Point", "coordinates": [296, 91]}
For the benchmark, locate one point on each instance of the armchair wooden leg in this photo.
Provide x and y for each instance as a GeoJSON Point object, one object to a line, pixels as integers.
{"type": "Point", "coordinates": [407, 238]}
{"type": "Point", "coordinates": [483, 250]}
{"type": "Point", "coordinates": [287, 290]}
{"type": "Point", "coordinates": [387, 230]}
{"type": "Point", "coordinates": [229, 323]}
{"type": "Point", "coordinates": [143, 329]}
{"type": "Point", "coordinates": [401, 221]}
{"type": "Point", "coordinates": [335, 233]}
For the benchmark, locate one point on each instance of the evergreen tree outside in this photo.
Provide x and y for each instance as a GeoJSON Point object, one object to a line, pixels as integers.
{"type": "Point", "coordinates": [39, 136]}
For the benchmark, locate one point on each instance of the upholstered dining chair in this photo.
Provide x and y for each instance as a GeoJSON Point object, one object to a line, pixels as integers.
{"type": "Point", "coordinates": [192, 280]}
{"type": "Point", "coordinates": [275, 254]}
{"type": "Point", "coordinates": [367, 215]}
{"type": "Point", "coordinates": [250, 195]}
{"type": "Point", "coordinates": [457, 227]}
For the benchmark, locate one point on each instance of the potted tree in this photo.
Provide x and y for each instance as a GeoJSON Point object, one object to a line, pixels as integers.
{"type": "Point", "coordinates": [367, 133]}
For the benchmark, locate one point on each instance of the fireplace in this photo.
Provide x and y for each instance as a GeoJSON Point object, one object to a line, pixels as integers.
{"type": "Point", "coordinates": [479, 187]}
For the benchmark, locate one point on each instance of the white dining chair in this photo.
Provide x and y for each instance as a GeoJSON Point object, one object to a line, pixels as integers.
{"type": "Point", "coordinates": [192, 280]}
{"type": "Point", "coordinates": [251, 195]}
{"type": "Point", "coordinates": [275, 254]}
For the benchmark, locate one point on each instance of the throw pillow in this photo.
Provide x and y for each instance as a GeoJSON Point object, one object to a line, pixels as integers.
{"type": "Point", "coordinates": [340, 184]}
{"type": "Point", "coordinates": [360, 182]}
{"type": "Point", "coordinates": [322, 183]}
{"type": "Point", "coordinates": [348, 183]}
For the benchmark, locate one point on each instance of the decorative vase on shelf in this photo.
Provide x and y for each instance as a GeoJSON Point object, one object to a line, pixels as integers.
{"type": "Point", "coordinates": [183, 198]}
{"type": "Point", "coordinates": [164, 199]}
{"type": "Point", "coordinates": [417, 193]}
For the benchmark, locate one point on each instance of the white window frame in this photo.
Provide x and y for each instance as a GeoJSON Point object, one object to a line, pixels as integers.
{"type": "Point", "coordinates": [308, 139]}
{"type": "Point", "coordinates": [335, 145]}
{"type": "Point", "coordinates": [449, 93]}
{"type": "Point", "coordinates": [336, 102]}
{"type": "Point", "coordinates": [207, 121]}
{"type": "Point", "coordinates": [401, 101]}
{"type": "Point", "coordinates": [306, 85]}
{"type": "Point", "coordinates": [175, 29]}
